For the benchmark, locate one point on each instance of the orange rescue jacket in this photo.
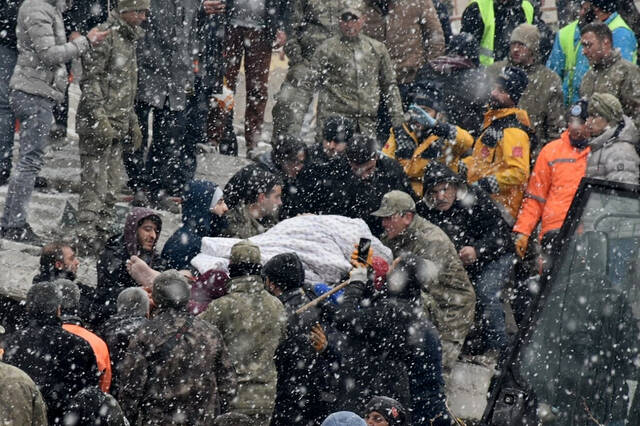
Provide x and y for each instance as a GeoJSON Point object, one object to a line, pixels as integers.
{"type": "Point", "coordinates": [100, 350]}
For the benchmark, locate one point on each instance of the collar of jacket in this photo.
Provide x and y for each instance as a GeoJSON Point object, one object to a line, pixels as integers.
{"type": "Point", "coordinates": [351, 40]}
{"type": "Point", "coordinates": [287, 296]}
{"type": "Point", "coordinates": [246, 284]}
{"type": "Point", "coordinates": [608, 61]}
{"type": "Point", "coordinates": [39, 319]}
{"type": "Point", "coordinates": [127, 31]}
{"type": "Point", "coordinates": [494, 114]}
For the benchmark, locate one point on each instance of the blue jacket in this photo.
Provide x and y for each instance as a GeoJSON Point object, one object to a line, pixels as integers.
{"type": "Point", "coordinates": [197, 222]}
{"type": "Point", "coordinates": [623, 39]}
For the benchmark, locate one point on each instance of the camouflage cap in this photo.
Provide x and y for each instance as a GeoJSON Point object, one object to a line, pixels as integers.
{"type": "Point", "coordinates": [353, 7]}
{"type": "Point", "coordinates": [606, 106]}
{"type": "Point", "coordinates": [171, 288]}
{"type": "Point", "coordinates": [129, 5]}
{"type": "Point", "coordinates": [395, 202]}
{"type": "Point", "coordinates": [245, 252]}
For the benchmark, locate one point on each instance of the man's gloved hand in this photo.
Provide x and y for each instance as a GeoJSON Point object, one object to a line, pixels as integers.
{"type": "Point", "coordinates": [104, 130]}
{"type": "Point", "coordinates": [356, 262]}
{"type": "Point", "coordinates": [521, 241]}
{"type": "Point", "coordinates": [360, 274]}
{"type": "Point", "coordinates": [318, 338]}
{"type": "Point", "coordinates": [405, 145]}
{"type": "Point", "coordinates": [136, 136]}
{"type": "Point", "coordinates": [434, 151]}
{"type": "Point", "coordinates": [421, 117]}
{"type": "Point", "coordinates": [489, 184]}
{"type": "Point", "coordinates": [445, 130]}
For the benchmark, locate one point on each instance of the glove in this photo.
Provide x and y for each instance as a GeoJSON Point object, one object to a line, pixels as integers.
{"type": "Point", "coordinates": [489, 184]}
{"type": "Point", "coordinates": [445, 130]}
{"type": "Point", "coordinates": [521, 242]}
{"type": "Point", "coordinates": [136, 137]}
{"type": "Point", "coordinates": [356, 263]}
{"type": "Point", "coordinates": [434, 151]}
{"type": "Point", "coordinates": [359, 274]}
{"type": "Point", "coordinates": [405, 146]}
{"type": "Point", "coordinates": [421, 117]}
{"type": "Point", "coordinates": [104, 130]}
{"type": "Point", "coordinates": [318, 338]}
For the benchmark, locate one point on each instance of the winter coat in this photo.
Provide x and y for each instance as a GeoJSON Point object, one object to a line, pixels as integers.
{"type": "Point", "coordinates": [81, 16]}
{"type": "Point", "coordinates": [20, 400]}
{"type": "Point", "coordinates": [500, 157]}
{"type": "Point", "coordinates": [433, 148]}
{"type": "Point", "coordinates": [618, 77]}
{"type": "Point", "coordinates": [112, 265]}
{"type": "Point", "coordinates": [252, 323]}
{"type": "Point", "coordinates": [117, 333]}
{"type": "Point", "coordinates": [450, 301]}
{"type": "Point", "coordinates": [411, 31]}
{"type": "Point", "coordinates": [197, 222]}
{"type": "Point", "coordinates": [60, 363]}
{"type": "Point", "coordinates": [99, 348]}
{"type": "Point", "coordinates": [8, 20]}
{"type": "Point", "coordinates": [363, 196]}
{"type": "Point", "coordinates": [463, 87]}
{"type": "Point", "coordinates": [554, 181]}
{"type": "Point", "coordinates": [166, 53]}
{"type": "Point", "coordinates": [191, 384]}
{"type": "Point", "coordinates": [43, 50]}
{"type": "Point", "coordinates": [473, 220]}
{"type": "Point", "coordinates": [614, 154]}
{"type": "Point", "coordinates": [545, 108]}
{"type": "Point", "coordinates": [304, 391]}
{"type": "Point", "coordinates": [110, 82]}
{"type": "Point", "coordinates": [352, 75]}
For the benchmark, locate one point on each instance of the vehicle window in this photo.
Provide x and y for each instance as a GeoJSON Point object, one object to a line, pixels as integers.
{"type": "Point", "coordinates": [582, 358]}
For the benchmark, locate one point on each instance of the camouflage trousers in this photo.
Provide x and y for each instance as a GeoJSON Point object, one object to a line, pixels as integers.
{"type": "Point", "coordinates": [100, 181]}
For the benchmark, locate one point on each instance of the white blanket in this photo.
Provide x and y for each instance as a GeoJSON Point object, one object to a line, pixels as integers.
{"type": "Point", "coordinates": [324, 244]}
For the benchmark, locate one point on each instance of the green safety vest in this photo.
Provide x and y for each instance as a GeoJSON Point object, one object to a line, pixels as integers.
{"type": "Point", "coordinates": [488, 19]}
{"type": "Point", "coordinates": [570, 49]}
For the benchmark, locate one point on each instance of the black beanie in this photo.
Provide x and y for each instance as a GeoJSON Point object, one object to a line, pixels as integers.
{"type": "Point", "coordinates": [608, 6]}
{"type": "Point", "coordinates": [392, 411]}
{"type": "Point", "coordinates": [513, 80]}
{"type": "Point", "coordinates": [285, 270]}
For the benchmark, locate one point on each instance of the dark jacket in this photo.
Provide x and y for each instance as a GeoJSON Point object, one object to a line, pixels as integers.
{"type": "Point", "coordinates": [197, 222]}
{"type": "Point", "coordinates": [190, 384]}
{"type": "Point", "coordinates": [8, 22]}
{"type": "Point", "coordinates": [112, 272]}
{"type": "Point", "coordinates": [473, 219]}
{"type": "Point", "coordinates": [305, 394]}
{"type": "Point", "coordinates": [60, 363]}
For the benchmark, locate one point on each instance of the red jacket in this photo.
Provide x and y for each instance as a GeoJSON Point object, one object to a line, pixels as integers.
{"type": "Point", "coordinates": [552, 186]}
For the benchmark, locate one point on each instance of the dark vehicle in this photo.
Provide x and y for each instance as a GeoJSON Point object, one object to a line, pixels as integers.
{"type": "Point", "coordinates": [577, 359]}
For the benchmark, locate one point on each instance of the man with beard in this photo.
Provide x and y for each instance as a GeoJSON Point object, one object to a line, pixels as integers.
{"type": "Point", "coordinates": [545, 107]}
{"type": "Point", "coordinates": [426, 137]}
{"type": "Point", "coordinates": [567, 58]}
{"type": "Point", "coordinates": [499, 163]}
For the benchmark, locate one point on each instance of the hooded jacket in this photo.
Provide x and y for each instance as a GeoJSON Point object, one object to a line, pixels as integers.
{"type": "Point", "coordinates": [197, 222]}
{"type": "Point", "coordinates": [613, 154]}
{"type": "Point", "coordinates": [20, 400]}
{"type": "Point", "coordinates": [112, 272]}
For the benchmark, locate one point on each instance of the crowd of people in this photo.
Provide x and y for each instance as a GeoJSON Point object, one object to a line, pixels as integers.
{"type": "Point", "coordinates": [461, 153]}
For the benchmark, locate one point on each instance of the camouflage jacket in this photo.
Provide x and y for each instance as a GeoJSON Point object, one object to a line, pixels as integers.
{"type": "Point", "coordinates": [618, 77]}
{"type": "Point", "coordinates": [110, 79]}
{"type": "Point", "coordinates": [243, 225]}
{"type": "Point", "coordinates": [351, 75]}
{"type": "Point", "coordinates": [450, 301]}
{"type": "Point", "coordinates": [252, 322]}
{"type": "Point", "coordinates": [194, 381]}
{"type": "Point", "coordinates": [20, 400]}
{"type": "Point", "coordinates": [310, 23]}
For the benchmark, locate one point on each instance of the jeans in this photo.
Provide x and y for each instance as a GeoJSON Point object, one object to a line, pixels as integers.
{"type": "Point", "coordinates": [489, 284]}
{"type": "Point", "coordinates": [8, 59]}
{"type": "Point", "coordinates": [36, 117]}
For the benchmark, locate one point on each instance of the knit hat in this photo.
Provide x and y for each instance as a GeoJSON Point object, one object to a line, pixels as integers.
{"type": "Point", "coordinates": [344, 418]}
{"type": "Point", "coordinates": [609, 6]}
{"type": "Point", "coordinates": [338, 129]}
{"type": "Point", "coordinates": [244, 251]}
{"type": "Point", "coordinates": [285, 270]}
{"type": "Point", "coordinates": [361, 149]}
{"type": "Point", "coordinates": [392, 411]}
{"type": "Point", "coordinates": [513, 80]}
{"type": "Point", "coordinates": [528, 35]}
{"type": "Point", "coordinates": [171, 288]}
{"type": "Point", "coordinates": [70, 293]}
{"type": "Point", "coordinates": [606, 106]}
{"type": "Point", "coordinates": [580, 110]}
{"type": "Point", "coordinates": [44, 299]}
{"type": "Point", "coordinates": [128, 5]}
{"type": "Point", "coordinates": [436, 173]}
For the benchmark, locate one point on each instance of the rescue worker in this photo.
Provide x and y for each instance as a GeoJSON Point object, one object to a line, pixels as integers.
{"type": "Point", "coordinates": [426, 137]}
{"type": "Point", "coordinates": [567, 58]}
{"type": "Point", "coordinates": [609, 73]}
{"type": "Point", "coordinates": [544, 107]}
{"type": "Point", "coordinates": [499, 163]}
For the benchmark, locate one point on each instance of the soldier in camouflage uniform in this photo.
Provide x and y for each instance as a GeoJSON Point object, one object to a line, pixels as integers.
{"type": "Point", "coordinates": [311, 23]}
{"type": "Point", "coordinates": [352, 72]}
{"type": "Point", "coordinates": [106, 120]}
{"type": "Point", "coordinates": [450, 300]}
{"type": "Point", "coordinates": [252, 322]}
{"type": "Point", "coordinates": [177, 369]}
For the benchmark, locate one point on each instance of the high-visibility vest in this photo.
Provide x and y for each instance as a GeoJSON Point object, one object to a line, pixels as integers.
{"type": "Point", "coordinates": [570, 48]}
{"type": "Point", "coordinates": [488, 20]}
